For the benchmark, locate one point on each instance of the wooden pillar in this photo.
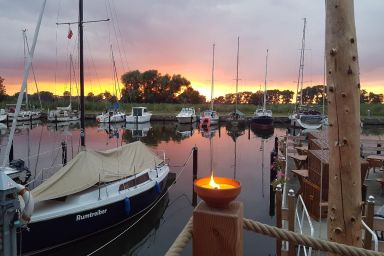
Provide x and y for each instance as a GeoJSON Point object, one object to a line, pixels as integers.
{"type": "Point", "coordinates": [279, 220]}
{"type": "Point", "coordinates": [291, 219]}
{"type": "Point", "coordinates": [344, 203]}
{"type": "Point", "coordinates": [218, 232]}
{"type": "Point", "coordinates": [369, 221]}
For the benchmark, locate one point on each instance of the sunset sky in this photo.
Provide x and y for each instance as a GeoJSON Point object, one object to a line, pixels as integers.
{"type": "Point", "coordinates": [176, 37]}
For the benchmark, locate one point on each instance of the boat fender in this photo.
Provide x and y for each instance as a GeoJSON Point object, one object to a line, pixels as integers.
{"type": "Point", "coordinates": [157, 187]}
{"type": "Point", "coordinates": [127, 206]}
{"type": "Point", "coordinates": [29, 203]}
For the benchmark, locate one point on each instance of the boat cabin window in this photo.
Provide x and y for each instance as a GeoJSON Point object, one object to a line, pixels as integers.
{"type": "Point", "coordinates": [134, 182]}
{"type": "Point", "coordinates": [137, 111]}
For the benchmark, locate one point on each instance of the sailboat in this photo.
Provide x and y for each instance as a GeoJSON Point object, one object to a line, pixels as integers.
{"type": "Point", "coordinates": [210, 117]}
{"type": "Point", "coordinates": [304, 117]}
{"type": "Point", "coordinates": [236, 115]}
{"type": "Point", "coordinates": [65, 114]}
{"type": "Point", "coordinates": [94, 191]}
{"type": "Point", "coordinates": [112, 115]}
{"type": "Point", "coordinates": [263, 116]}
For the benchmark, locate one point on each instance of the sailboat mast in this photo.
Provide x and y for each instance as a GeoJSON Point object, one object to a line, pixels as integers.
{"type": "Point", "coordinates": [70, 80]}
{"type": "Point", "coordinates": [213, 70]}
{"type": "Point", "coordinates": [82, 107]}
{"type": "Point", "coordinates": [25, 57]}
{"type": "Point", "coordinates": [265, 83]}
{"type": "Point", "coordinates": [27, 67]}
{"type": "Point", "coordinates": [237, 73]}
{"type": "Point", "coordinates": [301, 67]}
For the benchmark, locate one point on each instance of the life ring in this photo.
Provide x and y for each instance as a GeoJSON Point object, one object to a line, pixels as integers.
{"type": "Point", "coordinates": [205, 122]}
{"type": "Point", "coordinates": [29, 203]}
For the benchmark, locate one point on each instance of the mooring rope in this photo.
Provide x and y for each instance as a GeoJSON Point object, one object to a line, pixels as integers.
{"type": "Point", "coordinates": [145, 210]}
{"type": "Point", "coordinates": [181, 240]}
{"type": "Point", "coordinates": [264, 229]}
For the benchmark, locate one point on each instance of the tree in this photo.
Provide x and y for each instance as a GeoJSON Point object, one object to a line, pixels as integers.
{"type": "Point", "coordinates": [151, 86]}
{"type": "Point", "coordinates": [3, 93]}
{"type": "Point", "coordinates": [375, 98]}
{"type": "Point", "coordinates": [90, 96]}
{"type": "Point", "coordinates": [256, 98]}
{"type": "Point", "coordinates": [286, 96]}
{"type": "Point", "coordinates": [363, 96]}
{"type": "Point", "coordinates": [191, 96]}
{"type": "Point", "coordinates": [133, 89]}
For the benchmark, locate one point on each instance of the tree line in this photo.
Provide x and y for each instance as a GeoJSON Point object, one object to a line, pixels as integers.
{"type": "Point", "coordinates": [153, 87]}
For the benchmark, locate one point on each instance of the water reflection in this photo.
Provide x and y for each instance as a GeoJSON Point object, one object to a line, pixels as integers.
{"type": "Point", "coordinates": [63, 126]}
{"type": "Point", "coordinates": [209, 132]}
{"type": "Point", "coordinates": [262, 132]}
{"type": "Point", "coordinates": [235, 131]}
{"type": "Point", "coordinates": [233, 155]}
{"type": "Point", "coordinates": [138, 130]}
{"type": "Point", "coordinates": [185, 130]}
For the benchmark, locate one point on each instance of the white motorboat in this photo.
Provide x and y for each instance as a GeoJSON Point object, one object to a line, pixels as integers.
{"type": "Point", "coordinates": [186, 116]}
{"type": "Point", "coordinates": [139, 115]}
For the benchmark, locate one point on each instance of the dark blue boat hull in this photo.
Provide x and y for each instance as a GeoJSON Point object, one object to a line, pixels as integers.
{"type": "Point", "coordinates": [48, 234]}
{"type": "Point", "coordinates": [262, 120]}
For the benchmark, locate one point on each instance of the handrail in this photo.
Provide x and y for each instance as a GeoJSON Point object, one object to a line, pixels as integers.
{"type": "Point", "coordinates": [300, 222]}
{"type": "Point", "coordinates": [374, 237]}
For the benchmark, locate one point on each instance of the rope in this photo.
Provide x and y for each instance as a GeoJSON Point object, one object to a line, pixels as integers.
{"type": "Point", "coordinates": [316, 244]}
{"type": "Point", "coordinates": [264, 229]}
{"type": "Point", "coordinates": [181, 240]}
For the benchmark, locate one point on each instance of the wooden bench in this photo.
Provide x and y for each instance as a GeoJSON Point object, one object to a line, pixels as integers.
{"type": "Point", "coordinates": [301, 175]}
{"type": "Point", "coordinates": [300, 160]}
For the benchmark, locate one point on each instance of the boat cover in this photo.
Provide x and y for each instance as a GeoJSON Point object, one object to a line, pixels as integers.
{"type": "Point", "coordinates": [90, 167]}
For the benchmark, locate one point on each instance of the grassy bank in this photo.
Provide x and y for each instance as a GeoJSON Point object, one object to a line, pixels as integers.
{"type": "Point", "coordinates": [374, 110]}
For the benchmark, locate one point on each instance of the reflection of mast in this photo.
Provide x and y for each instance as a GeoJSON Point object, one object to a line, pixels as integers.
{"type": "Point", "coordinates": [262, 166]}
{"type": "Point", "coordinates": [234, 174]}
{"type": "Point", "coordinates": [211, 153]}
{"type": "Point", "coordinates": [213, 69]}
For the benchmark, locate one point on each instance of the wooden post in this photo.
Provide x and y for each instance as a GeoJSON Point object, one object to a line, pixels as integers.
{"type": "Point", "coordinates": [194, 177]}
{"type": "Point", "coordinates": [279, 220]}
{"type": "Point", "coordinates": [291, 219]}
{"type": "Point", "coordinates": [218, 232]}
{"type": "Point", "coordinates": [369, 221]}
{"type": "Point", "coordinates": [344, 203]}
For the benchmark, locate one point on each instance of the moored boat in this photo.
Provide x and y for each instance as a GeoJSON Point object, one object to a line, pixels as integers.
{"type": "Point", "coordinates": [186, 116]}
{"type": "Point", "coordinates": [106, 189]}
{"type": "Point", "coordinates": [139, 115]}
{"type": "Point", "coordinates": [111, 116]}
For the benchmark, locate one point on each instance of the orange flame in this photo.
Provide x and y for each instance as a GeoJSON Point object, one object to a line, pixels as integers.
{"type": "Point", "coordinates": [213, 184]}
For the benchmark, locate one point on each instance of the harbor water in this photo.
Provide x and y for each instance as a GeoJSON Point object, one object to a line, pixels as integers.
{"type": "Point", "coordinates": [235, 152]}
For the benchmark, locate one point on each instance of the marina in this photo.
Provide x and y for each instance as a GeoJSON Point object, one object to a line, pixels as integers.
{"type": "Point", "coordinates": [251, 167]}
{"type": "Point", "coordinates": [154, 167]}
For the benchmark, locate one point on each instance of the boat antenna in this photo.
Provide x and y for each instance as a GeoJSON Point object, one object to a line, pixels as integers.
{"type": "Point", "coordinates": [265, 83]}
{"type": "Point", "coordinates": [27, 67]}
{"type": "Point", "coordinates": [81, 66]}
{"type": "Point", "coordinates": [237, 74]}
{"type": "Point", "coordinates": [301, 68]}
{"type": "Point", "coordinates": [213, 69]}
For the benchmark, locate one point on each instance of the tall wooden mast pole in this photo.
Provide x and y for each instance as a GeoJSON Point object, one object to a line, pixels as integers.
{"type": "Point", "coordinates": [237, 74]}
{"type": "Point", "coordinates": [213, 72]}
{"type": "Point", "coordinates": [344, 203]}
{"type": "Point", "coordinates": [82, 107]}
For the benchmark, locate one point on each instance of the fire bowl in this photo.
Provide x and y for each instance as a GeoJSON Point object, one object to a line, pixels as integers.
{"type": "Point", "coordinates": [217, 197]}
